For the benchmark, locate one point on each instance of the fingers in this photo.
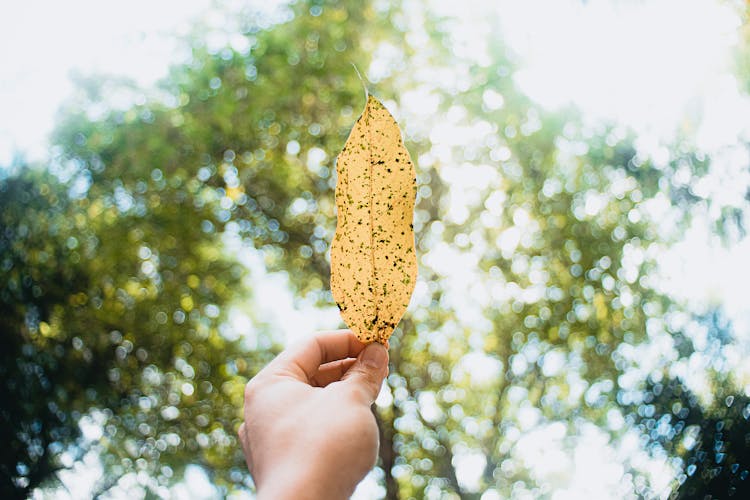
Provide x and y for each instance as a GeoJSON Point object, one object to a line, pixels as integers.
{"type": "Point", "coordinates": [304, 359]}
{"type": "Point", "coordinates": [366, 375]}
{"type": "Point", "coordinates": [332, 372]}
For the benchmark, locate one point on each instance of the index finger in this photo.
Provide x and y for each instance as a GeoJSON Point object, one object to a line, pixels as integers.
{"type": "Point", "coordinates": [303, 360]}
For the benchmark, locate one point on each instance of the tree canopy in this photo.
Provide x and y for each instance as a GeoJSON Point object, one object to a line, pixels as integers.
{"type": "Point", "coordinates": [536, 312]}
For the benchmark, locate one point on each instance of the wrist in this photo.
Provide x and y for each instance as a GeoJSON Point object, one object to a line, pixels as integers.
{"type": "Point", "coordinates": [301, 482]}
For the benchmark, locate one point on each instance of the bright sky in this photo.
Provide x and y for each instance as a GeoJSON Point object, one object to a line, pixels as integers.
{"type": "Point", "coordinates": [645, 64]}
{"type": "Point", "coordinates": [42, 42]}
{"type": "Point", "coordinates": [654, 66]}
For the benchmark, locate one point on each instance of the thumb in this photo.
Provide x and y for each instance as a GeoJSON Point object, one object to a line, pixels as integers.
{"type": "Point", "coordinates": [367, 374]}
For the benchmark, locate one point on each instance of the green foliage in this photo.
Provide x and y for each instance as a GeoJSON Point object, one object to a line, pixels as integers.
{"type": "Point", "coordinates": [561, 239]}
{"type": "Point", "coordinates": [37, 273]}
{"type": "Point", "coordinates": [742, 60]}
{"type": "Point", "coordinates": [115, 311]}
{"type": "Point", "coordinates": [707, 434]}
{"type": "Point", "coordinates": [718, 465]}
{"type": "Point", "coordinates": [116, 282]}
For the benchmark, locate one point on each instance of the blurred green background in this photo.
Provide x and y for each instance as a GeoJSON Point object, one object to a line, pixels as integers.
{"type": "Point", "coordinates": [147, 263]}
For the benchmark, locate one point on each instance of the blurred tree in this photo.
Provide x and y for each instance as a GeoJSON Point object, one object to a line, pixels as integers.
{"type": "Point", "coordinates": [37, 275]}
{"type": "Point", "coordinates": [708, 430]}
{"type": "Point", "coordinates": [697, 410]}
{"type": "Point", "coordinates": [742, 60]}
{"type": "Point", "coordinates": [561, 235]}
{"type": "Point", "coordinates": [536, 231]}
{"type": "Point", "coordinates": [114, 314]}
{"type": "Point", "coordinates": [116, 280]}
{"type": "Point", "coordinates": [717, 464]}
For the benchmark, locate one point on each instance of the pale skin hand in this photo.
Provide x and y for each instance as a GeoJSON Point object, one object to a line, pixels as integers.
{"type": "Point", "coordinates": [309, 432]}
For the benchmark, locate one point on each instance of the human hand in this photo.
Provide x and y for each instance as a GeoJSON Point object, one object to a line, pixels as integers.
{"type": "Point", "coordinates": [309, 432]}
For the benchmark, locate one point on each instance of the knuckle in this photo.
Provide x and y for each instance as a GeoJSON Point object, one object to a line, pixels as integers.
{"type": "Point", "coordinates": [371, 382]}
{"type": "Point", "coordinates": [366, 387]}
{"type": "Point", "coordinates": [370, 378]}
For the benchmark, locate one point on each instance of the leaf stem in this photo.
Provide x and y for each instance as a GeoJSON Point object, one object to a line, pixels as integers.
{"type": "Point", "coordinates": [362, 81]}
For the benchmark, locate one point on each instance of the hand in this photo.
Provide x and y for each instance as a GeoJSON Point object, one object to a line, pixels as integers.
{"type": "Point", "coordinates": [309, 431]}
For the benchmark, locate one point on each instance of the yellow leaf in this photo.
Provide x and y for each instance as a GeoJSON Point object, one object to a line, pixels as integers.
{"type": "Point", "coordinates": [373, 260]}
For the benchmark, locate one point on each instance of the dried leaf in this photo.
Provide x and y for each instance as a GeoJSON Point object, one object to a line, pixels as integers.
{"type": "Point", "coordinates": [373, 260]}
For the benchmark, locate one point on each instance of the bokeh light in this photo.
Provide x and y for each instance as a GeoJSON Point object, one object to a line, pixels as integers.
{"type": "Point", "coordinates": [579, 327]}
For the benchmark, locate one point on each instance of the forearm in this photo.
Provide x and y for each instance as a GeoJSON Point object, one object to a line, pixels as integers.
{"type": "Point", "coordinates": [283, 491]}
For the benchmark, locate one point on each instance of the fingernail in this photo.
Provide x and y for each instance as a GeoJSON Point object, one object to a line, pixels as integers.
{"type": "Point", "coordinates": [374, 355]}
